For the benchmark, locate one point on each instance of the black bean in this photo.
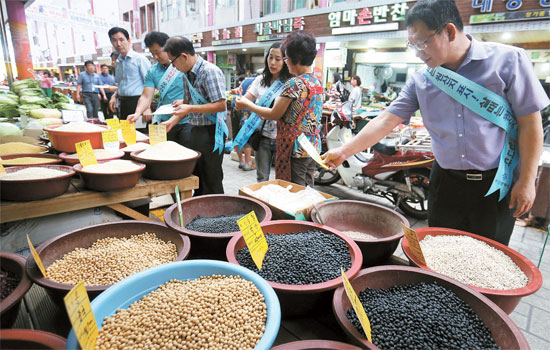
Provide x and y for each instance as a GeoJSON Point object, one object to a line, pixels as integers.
{"type": "Point", "coordinates": [300, 257]}
{"type": "Point", "coordinates": [216, 224]}
{"type": "Point", "coordinates": [8, 283]}
{"type": "Point", "coordinates": [421, 316]}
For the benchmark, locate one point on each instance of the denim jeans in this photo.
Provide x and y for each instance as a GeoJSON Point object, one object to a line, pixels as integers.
{"type": "Point", "coordinates": [265, 155]}
{"type": "Point", "coordinates": [92, 104]}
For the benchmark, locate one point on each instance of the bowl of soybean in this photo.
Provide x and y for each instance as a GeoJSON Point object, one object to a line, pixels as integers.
{"type": "Point", "coordinates": [507, 299]}
{"type": "Point", "coordinates": [135, 287]}
{"type": "Point", "coordinates": [211, 220]}
{"type": "Point", "coordinates": [416, 316]}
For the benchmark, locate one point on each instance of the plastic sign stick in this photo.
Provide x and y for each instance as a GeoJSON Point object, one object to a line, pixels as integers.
{"type": "Point", "coordinates": [36, 257]}
{"type": "Point", "coordinates": [178, 200]}
{"type": "Point", "coordinates": [254, 237]}
{"type": "Point", "coordinates": [157, 134]}
{"type": "Point", "coordinates": [414, 244]}
{"type": "Point", "coordinates": [82, 317]}
{"type": "Point", "coordinates": [357, 306]}
{"type": "Point", "coordinates": [308, 147]}
{"type": "Point", "coordinates": [85, 153]}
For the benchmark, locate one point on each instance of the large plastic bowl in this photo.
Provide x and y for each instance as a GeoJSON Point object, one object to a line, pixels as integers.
{"type": "Point", "coordinates": [55, 248]}
{"type": "Point", "coordinates": [373, 219]}
{"type": "Point", "coordinates": [166, 169]}
{"type": "Point", "coordinates": [505, 332]}
{"type": "Point", "coordinates": [212, 245]}
{"type": "Point", "coordinates": [133, 288]}
{"type": "Point", "coordinates": [26, 339]}
{"type": "Point", "coordinates": [31, 190]}
{"type": "Point", "coordinates": [109, 182]}
{"type": "Point", "coordinates": [64, 141]}
{"type": "Point", "coordinates": [48, 159]}
{"type": "Point", "coordinates": [9, 307]}
{"type": "Point", "coordinates": [72, 159]}
{"type": "Point", "coordinates": [506, 299]}
{"type": "Point", "coordinates": [316, 345]}
{"type": "Point", "coordinates": [298, 300]}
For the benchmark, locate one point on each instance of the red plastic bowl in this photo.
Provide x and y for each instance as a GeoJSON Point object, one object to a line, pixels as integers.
{"type": "Point", "coordinates": [295, 299]}
{"type": "Point", "coordinates": [30, 339]}
{"type": "Point", "coordinates": [72, 158]}
{"type": "Point", "coordinates": [315, 345]}
{"type": "Point", "coordinates": [110, 182]}
{"type": "Point", "coordinates": [504, 331]}
{"type": "Point", "coordinates": [64, 141]}
{"type": "Point", "coordinates": [9, 307]}
{"type": "Point", "coordinates": [506, 299]}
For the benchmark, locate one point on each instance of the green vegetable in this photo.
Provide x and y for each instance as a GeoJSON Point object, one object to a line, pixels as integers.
{"type": "Point", "coordinates": [44, 101]}
{"type": "Point", "coordinates": [69, 106]}
{"type": "Point", "coordinates": [32, 92]}
{"type": "Point", "coordinates": [45, 113]}
{"type": "Point", "coordinates": [25, 109]}
{"type": "Point", "coordinates": [9, 129]}
{"type": "Point", "coordinates": [58, 97]}
{"type": "Point", "coordinates": [19, 85]}
{"type": "Point", "coordinates": [8, 111]}
{"type": "Point", "coordinates": [9, 100]}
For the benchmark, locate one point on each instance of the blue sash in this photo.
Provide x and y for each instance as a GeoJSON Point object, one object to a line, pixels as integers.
{"type": "Point", "coordinates": [490, 106]}
{"type": "Point", "coordinates": [218, 118]}
{"type": "Point", "coordinates": [253, 122]}
{"type": "Point", "coordinates": [168, 78]}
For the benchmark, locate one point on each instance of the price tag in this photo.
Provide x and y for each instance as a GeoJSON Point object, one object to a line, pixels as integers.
{"type": "Point", "coordinates": [70, 115]}
{"type": "Point", "coordinates": [310, 149]}
{"type": "Point", "coordinates": [254, 237]}
{"type": "Point", "coordinates": [414, 244]}
{"type": "Point", "coordinates": [82, 318]}
{"type": "Point", "coordinates": [2, 169]}
{"type": "Point", "coordinates": [357, 306]}
{"type": "Point", "coordinates": [114, 123]}
{"type": "Point", "coordinates": [157, 134]}
{"type": "Point", "coordinates": [110, 139]}
{"type": "Point", "coordinates": [36, 257]}
{"type": "Point", "coordinates": [85, 153]}
{"type": "Point", "coordinates": [128, 132]}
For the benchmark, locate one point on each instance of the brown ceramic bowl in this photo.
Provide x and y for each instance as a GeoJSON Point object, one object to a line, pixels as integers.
{"type": "Point", "coordinates": [128, 154]}
{"type": "Point", "coordinates": [316, 345]}
{"type": "Point", "coordinates": [506, 299]}
{"type": "Point", "coordinates": [72, 159]}
{"type": "Point", "coordinates": [167, 169]}
{"type": "Point", "coordinates": [297, 300]}
{"type": "Point", "coordinates": [505, 332]}
{"type": "Point", "coordinates": [48, 159]}
{"type": "Point", "coordinates": [212, 245]}
{"type": "Point", "coordinates": [9, 307]}
{"type": "Point", "coordinates": [25, 339]}
{"type": "Point", "coordinates": [64, 141]}
{"type": "Point", "coordinates": [372, 219]}
{"type": "Point", "coordinates": [109, 182]}
{"type": "Point", "coordinates": [55, 248]}
{"type": "Point", "coordinates": [31, 190]}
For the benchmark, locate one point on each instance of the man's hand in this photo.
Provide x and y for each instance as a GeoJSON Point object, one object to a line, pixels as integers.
{"type": "Point", "coordinates": [112, 104]}
{"type": "Point", "coordinates": [237, 91]}
{"type": "Point", "coordinates": [334, 158]}
{"type": "Point", "coordinates": [177, 103]}
{"type": "Point", "coordinates": [522, 197]}
{"type": "Point", "coordinates": [182, 110]}
{"type": "Point", "coordinates": [170, 123]}
{"type": "Point", "coordinates": [242, 103]}
{"type": "Point", "coordinates": [133, 117]}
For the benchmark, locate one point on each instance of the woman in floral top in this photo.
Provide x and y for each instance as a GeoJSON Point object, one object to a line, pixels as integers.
{"type": "Point", "coordinates": [297, 110]}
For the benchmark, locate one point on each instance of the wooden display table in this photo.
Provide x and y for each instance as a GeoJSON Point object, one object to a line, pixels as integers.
{"type": "Point", "coordinates": [77, 198]}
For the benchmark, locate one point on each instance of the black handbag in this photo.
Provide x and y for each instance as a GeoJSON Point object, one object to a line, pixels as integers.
{"type": "Point", "coordinates": [254, 140]}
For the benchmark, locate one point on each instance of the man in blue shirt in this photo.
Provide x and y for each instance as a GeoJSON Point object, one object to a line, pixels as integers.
{"type": "Point", "coordinates": [168, 80]}
{"type": "Point", "coordinates": [90, 94]}
{"type": "Point", "coordinates": [131, 68]}
{"type": "Point", "coordinates": [106, 79]}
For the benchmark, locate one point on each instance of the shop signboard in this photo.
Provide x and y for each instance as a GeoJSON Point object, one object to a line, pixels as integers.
{"type": "Point", "coordinates": [368, 19]}
{"type": "Point", "coordinates": [510, 16]}
{"type": "Point", "coordinates": [511, 5]}
{"type": "Point", "coordinates": [226, 36]}
{"type": "Point", "coordinates": [196, 39]}
{"type": "Point", "coordinates": [278, 29]}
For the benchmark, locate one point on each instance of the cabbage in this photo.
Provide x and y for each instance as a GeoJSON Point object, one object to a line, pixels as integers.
{"type": "Point", "coordinates": [6, 99]}
{"type": "Point", "coordinates": [32, 92]}
{"type": "Point", "coordinates": [8, 111]}
{"type": "Point", "coordinates": [19, 85]}
{"type": "Point", "coordinates": [44, 101]}
{"type": "Point", "coordinates": [45, 113]}
{"type": "Point", "coordinates": [58, 97]}
{"type": "Point", "coordinates": [9, 129]}
{"type": "Point", "coordinates": [25, 109]}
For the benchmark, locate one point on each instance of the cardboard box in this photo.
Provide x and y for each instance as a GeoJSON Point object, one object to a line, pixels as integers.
{"type": "Point", "coordinates": [280, 213]}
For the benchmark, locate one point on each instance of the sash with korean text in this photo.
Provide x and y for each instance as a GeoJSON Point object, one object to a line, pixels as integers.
{"type": "Point", "coordinates": [168, 78]}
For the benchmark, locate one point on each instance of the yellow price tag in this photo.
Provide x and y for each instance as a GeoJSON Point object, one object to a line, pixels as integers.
{"type": "Point", "coordinates": [86, 154]}
{"type": "Point", "coordinates": [128, 132]}
{"type": "Point", "coordinates": [109, 136]}
{"type": "Point", "coordinates": [36, 257]}
{"type": "Point", "coordinates": [2, 169]}
{"type": "Point", "coordinates": [310, 149]}
{"type": "Point", "coordinates": [157, 134]}
{"type": "Point", "coordinates": [357, 306]}
{"type": "Point", "coordinates": [254, 237]}
{"type": "Point", "coordinates": [114, 123]}
{"type": "Point", "coordinates": [414, 244]}
{"type": "Point", "coordinates": [81, 315]}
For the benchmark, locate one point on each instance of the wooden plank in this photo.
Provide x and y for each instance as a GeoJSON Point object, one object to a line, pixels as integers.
{"type": "Point", "coordinates": [12, 211]}
{"type": "Point", "coordinates": [129, 212]}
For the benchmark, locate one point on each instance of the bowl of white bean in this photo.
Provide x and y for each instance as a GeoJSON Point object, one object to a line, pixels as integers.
{"type": "Point", "coordinates": [103, 254]}
{"type": "Point", "coordinates": [195, 304]}
{"type": "Point", "coordinates": [493, 269]}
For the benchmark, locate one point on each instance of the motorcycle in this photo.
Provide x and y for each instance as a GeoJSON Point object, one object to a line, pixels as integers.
{"type": "Point", "coordinates": [394, 171]}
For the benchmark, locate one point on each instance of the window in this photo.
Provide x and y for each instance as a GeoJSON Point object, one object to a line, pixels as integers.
{"type": "Point", "coordinates": [225, 3]}
{"type": "Point", "coordinates": [126, 17]}
{"type": "Point", "coordinates": [151, 17]}
{"type": "Point", "coordinates": [191, 7]}
{"type": "Point", "coordinates": [298, 4]}
{"type": "Point", "coordinates": [142, 19]}
{"type": "Point", "coordinates": [271, 6]}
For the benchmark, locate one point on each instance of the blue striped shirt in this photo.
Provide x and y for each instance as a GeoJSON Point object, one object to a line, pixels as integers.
{"type": "Point", "coordinates": [130, 73]}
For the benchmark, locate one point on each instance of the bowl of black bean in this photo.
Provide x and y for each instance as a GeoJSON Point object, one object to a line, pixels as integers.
{"type": "Point", "coordinates": [303, 263]}
{"type": "Point", "coordinates": [211, 220]}
{"type": "Point", "coordinates": [14, 284]}
{"type": "Point", "coordinates": [409, 308]}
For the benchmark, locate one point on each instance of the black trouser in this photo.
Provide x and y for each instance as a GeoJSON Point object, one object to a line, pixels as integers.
{"type": "Point", "coordinates": [209, 167]}
{"type": "Point", "coordinates": [181, 133]}
{"type": "Point", "coordinates": [92, 104]}
{"type": "Point", "coordinates": [456, 200]}
{"type": "Point", "coordinates": [127, 106]}
{"type": "Point", "coordinates": [107, 113]}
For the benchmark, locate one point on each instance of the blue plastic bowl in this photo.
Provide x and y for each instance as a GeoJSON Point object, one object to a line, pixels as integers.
{"type": "Point", "coordinates": [132, 288]}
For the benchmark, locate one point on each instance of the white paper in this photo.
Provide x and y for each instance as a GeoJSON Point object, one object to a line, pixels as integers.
{"type": "Point", "coordinates": [73, 115]}
{"type": "Point", "coordinates": [140, 124]}
{"type": "Point", "coordinates": [164, 109]}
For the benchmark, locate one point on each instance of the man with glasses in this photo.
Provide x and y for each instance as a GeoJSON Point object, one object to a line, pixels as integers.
{"type": "Point", "coordinates": [474, 185]}
{"type": "Point", "coordinates": [203, 99]}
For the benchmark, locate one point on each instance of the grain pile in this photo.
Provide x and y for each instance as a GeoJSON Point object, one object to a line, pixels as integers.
{"type": "Point", "coordinates": [112, 167]}
{"type": "Point", "coordinates": [32, 173]}
{"type": "Point", "coordinates": [80, 127]}
{"type": "Point", "coordinates": [19, 147]}
{"type": "Point", "coordinates": [168, 150]}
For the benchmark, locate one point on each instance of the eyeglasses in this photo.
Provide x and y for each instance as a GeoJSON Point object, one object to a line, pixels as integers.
{"type": "Point", "coordinates": [423, 45]}
{"type": "Point", "coordinates": [174, 60]}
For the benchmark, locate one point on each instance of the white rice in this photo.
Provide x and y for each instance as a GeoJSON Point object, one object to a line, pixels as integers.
{"type": "Point", "coordinates": [168, 150]}
{"type": "Point", "coordinates": [360, 235]}
{"type": "Point", "coordinates": [80, 127]}
{"type": "Point", "coordinates": [138, 146]}
{"type": "Point", "coordinates": [99, 153]}
{"type": "Point", "coordinates": [112, 167]}
{"type": "Point", "coordinates": [32, 173]}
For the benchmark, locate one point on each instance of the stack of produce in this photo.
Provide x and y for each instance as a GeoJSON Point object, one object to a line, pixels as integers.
{"type": "Point", "coordinates": [9, 129]}
{"type": "Point", "coordinates": [8, 105]}
{"type": "Point", "coordinates": [20, 148]}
